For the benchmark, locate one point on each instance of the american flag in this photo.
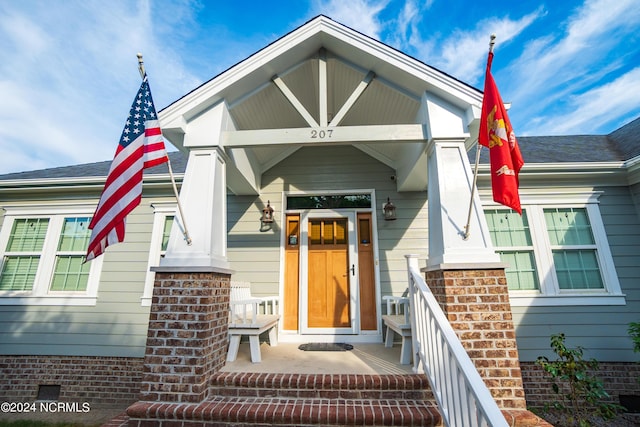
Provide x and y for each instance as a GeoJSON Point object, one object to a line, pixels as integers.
{"type": "Point", "coordinates": [141, 146]}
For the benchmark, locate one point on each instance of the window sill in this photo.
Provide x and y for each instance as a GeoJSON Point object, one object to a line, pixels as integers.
{"type": "Point", "coordinates": [62, 300]}
{"type": "Point", "coordinates": [529, 300]}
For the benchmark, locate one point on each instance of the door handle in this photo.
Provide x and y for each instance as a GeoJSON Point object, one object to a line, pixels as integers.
{"type": "Point", "coordinates": [353, 269]}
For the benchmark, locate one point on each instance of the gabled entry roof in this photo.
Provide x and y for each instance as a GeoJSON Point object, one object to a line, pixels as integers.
{"type": "Point", "coordinates": [353, 54]}
{"type": "Point", "coordinates": [319, 76]}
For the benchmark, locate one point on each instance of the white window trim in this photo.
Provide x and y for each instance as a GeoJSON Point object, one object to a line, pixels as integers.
{"type": "Point", "coordinates": [550, 293]}
{"type": "Point", "coordinates": [40, 294]}
{"type": "Point", "coordinates": [161, 210]}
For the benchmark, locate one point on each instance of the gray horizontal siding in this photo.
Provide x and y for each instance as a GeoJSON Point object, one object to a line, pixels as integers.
{"type": "Point", "coordinates": [115, 326]}
{"type": "Point", "coordinates": [255, 255]}
{"type": "Point", "coordinates": [600, 330]}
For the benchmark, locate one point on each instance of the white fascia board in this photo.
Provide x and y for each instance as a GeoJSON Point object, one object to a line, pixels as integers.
{"type": "Point", "coordinates": [317, 33]}
{"type": "Point", "coordinates": [24, 185]}
{"type": "Point", "coordinates": [633, 170]}
{"type": "Point", "coordinates": [444, 84]}
{"type": "Point", "coordinates": [596, 173]}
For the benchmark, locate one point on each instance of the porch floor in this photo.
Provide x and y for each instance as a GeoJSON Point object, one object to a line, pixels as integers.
{"type": "Point", "coordinates": [286, 358]}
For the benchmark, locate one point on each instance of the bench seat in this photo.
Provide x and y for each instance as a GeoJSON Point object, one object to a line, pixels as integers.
{"type": "Point", "coordinates": [250, 316]}
{"type": "Point", "coordinates": [397, 321]}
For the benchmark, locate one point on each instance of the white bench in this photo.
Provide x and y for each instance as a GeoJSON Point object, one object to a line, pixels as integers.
{"type": "Point", "coordinates": [251, 316]}
{"type": "Point", "coordinates": [397, 321]}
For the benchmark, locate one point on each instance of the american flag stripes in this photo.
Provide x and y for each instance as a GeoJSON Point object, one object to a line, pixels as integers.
{"type": "Point", "coordinates": [141, 146]}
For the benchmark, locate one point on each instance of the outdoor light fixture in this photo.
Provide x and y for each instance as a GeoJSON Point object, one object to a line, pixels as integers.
{"type": "Point", "coordinates": [267, 214]}
{"type": "Point", "coordinates": [389, 211]}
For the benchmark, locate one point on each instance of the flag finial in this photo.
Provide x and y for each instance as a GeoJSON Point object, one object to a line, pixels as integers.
{"type": "Point", "coordinates": [491, 43]}
{"type": "Point", "coordinates": [140, 65]}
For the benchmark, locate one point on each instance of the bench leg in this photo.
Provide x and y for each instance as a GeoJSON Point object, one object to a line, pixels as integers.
{"type": "Point", "coordinates": [273, 336]}
{"type": "Point", "coordinates": [234, 344]}
{"type": "Point", "coordinates": [405, 351]}
{"type": "Point", "coordinates": [254, 343]}
{"type": "Point", "coordinates": [388, 341]}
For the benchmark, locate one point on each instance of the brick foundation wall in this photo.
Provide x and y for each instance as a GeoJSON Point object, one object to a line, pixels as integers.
{"type": "Point", "coordinates": [101, 381]}
{"type": "Point", "coordinates": [187, 337]}
{"type": "Point", "coordinates": [476, 302]}
{"type": "Point", "coordinates": [618, 378]}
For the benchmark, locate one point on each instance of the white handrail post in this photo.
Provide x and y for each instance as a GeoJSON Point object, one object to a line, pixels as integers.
{"type": "Point", "coordinates": [412, 265]}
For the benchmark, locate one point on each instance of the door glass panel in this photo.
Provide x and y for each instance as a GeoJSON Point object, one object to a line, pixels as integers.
{"type": "Point", "coordinates": [328, 233]}
{"type": "Point", "coordinates": [341, 232]}
{"type": "Point", "coordinates": [364, 231]}
{"type": "Point", "coordinates": [315, 232]}
{"type": "Point", "coordinates": [329, 202]}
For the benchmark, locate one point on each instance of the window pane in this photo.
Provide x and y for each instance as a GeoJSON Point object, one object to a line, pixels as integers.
{"type": "Point", "coordinates": [315, 232]}
{"type": "Point", "coordinates": [70, 274]}
{"type": "Point", "coordinates": [364, 231]}
{"type": "Point", "coordinates": [329, 202]}
{"type": "Point", "coordinates": [166, 232]}
{"type": "Point", "coordinates": [327, 233]}
{"type": "Point", "coordinates": [577, 269]}
{"type": "Point", "coordinates": [28, 235]}
{"type": "Point", "coordinates": [75, 235]}
{"type": "Point", "coordinates": [521, 273]}
{"type": "Point", "coordinates": [18, 273]}
{"type": "Point", "coordinates": [507, 228]}
{"type": "Point", "coordinates": [568, 226]}
{"type": "Point", "coordinates": [341, 232]}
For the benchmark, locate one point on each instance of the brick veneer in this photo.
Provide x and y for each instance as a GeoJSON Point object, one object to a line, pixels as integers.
{"type": "Point", "coordinates": [618, 378]}
{"type": "Point", "coordinates": [101, 381]}
{"type": "Point", "coordinates": [187, 337]}
{"type": "Point", "coordinates": [476, 302]}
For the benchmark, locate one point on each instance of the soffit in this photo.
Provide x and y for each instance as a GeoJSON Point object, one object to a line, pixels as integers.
{"type": "Point", "coordinates": [255, 102]}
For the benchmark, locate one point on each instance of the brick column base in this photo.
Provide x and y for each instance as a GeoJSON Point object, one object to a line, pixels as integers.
{"type": "Point", "coordinates": [476, 302]}
{"type": "Point", "coordinates": [187, 338]}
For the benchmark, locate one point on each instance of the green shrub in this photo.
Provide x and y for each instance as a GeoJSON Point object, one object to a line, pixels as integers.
{"type": "Point", "coordinates": [581, 396]}
{"type": "Point", "coordinates": [634, 332]}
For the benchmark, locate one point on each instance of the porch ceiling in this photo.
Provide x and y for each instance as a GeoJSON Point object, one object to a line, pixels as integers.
{"type": "Point", "coordinates": [322, 75]}
{"type": "Point", "coordinates": [268, 108]}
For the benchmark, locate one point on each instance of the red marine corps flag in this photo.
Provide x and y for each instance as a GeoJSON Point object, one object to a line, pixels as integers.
{"type": "Point", "coordinates": [497, 134]}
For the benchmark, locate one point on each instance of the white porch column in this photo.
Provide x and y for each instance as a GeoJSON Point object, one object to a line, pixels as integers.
{"type": "Point", "coordinates": [449, 193]}
{"type": "Point", "coordinates": [204, 201]}
{"type": "Point", "coordinates": [449, 189]}
{"type": "Point", "coordinates": [203, 196]}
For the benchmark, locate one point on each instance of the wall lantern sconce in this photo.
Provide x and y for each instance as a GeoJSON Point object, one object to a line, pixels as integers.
{"type": "Point", "coordinates": [267, 214]}
{"type": "Point", "coordinates": [389, 211]}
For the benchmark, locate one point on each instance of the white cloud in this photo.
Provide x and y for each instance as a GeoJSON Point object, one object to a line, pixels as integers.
{"type": "Point", "coordinates": [552, 67]}
{"type": "Point", "coordinates": [596, 107]}
{"type": "Point", "coordinates": [361, 15]}
{"type": "Point", "coordinates": [66, 89]}
{"type": "Point", "coordinates": [465, 53]}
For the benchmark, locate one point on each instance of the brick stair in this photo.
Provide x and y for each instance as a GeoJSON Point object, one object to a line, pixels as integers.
{"type": "Point", "coordinates": [299, 400]}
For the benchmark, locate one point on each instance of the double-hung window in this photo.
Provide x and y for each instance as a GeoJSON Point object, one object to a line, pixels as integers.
{"type": "Point", "coordinates": [42, 258]}
{"type": "Point", "coordinates": [557, 253]}
{"type": "Point", "coordinates": [164, 214]}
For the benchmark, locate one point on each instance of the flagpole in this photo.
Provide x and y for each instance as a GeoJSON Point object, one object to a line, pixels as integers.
{"type": "Point", "coordinates": [492, 42]}
{"type": "Point", "coordinates": [173, 180]}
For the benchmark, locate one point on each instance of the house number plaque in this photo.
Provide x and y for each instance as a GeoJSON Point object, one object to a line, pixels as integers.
{"type": "Point", "coordinates": [321, 134]}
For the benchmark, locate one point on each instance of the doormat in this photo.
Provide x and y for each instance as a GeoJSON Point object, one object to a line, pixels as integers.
{"type": "Point", "coordinates": [325, 346]}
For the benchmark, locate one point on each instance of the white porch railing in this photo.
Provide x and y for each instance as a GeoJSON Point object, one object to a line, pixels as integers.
{"type": "Point", "coordinates": [463, 398]}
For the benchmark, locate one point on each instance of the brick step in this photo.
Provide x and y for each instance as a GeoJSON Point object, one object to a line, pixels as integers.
{"type": "Point", "coordinates": [300, 400]}
{"type": "Point", "coordinates": [252, 399]}
{"type": "Point", "coordinates": [231, 411]}
{"type": "Point", "coordinates": [321, 386]}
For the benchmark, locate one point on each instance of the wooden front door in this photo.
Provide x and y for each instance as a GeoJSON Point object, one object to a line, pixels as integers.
{"type": "Point", "coordinates": [328, 290]}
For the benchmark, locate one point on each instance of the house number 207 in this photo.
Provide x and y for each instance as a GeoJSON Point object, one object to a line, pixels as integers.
{"type": "Point", "coordinates": [321, 134]}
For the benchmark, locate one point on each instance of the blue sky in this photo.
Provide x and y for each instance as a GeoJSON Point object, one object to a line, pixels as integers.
{"type": "Point", "coordinates": [68, 69]}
